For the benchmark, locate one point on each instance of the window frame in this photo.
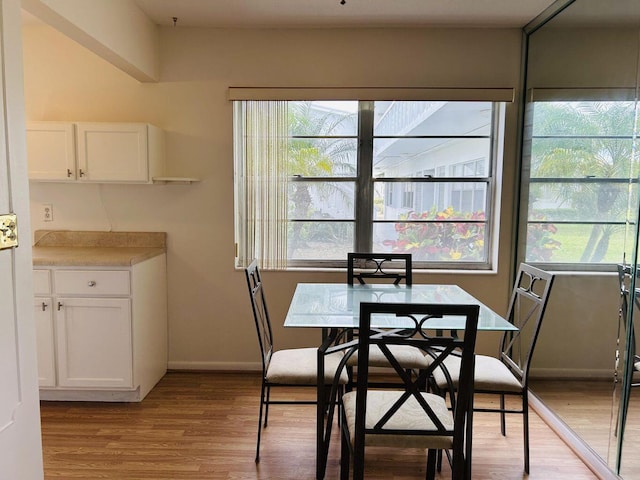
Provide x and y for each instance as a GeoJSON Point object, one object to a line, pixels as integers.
{"type": "Point", "coordinates": [365, 180]}
{"type": "Point", "coordinates": [568, 96]}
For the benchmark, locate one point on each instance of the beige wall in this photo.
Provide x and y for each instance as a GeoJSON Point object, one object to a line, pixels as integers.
{"type": "Point", "coordinates": [209, 314]}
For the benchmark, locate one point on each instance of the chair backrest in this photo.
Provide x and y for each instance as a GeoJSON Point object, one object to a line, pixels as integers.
{"type": "Point", "coordinates": [260, 313]}
{"type": "Point", "coordinates": [438, 348]}
{"type": "Point", "coordinates": [627, 283]}
{"type": "Point", "coordinates": [380, 267]}
{"type": "Point", "coordinates": [527, 306]}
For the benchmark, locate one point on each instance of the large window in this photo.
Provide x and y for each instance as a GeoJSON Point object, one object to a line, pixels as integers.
{"type": "Point", "coordinates": [384, 176]}
{"type": "Point", "coordinates": [583, 167]}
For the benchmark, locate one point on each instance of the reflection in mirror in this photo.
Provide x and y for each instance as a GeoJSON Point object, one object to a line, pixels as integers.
{"type": "Point", "coordinates": [579, 214]}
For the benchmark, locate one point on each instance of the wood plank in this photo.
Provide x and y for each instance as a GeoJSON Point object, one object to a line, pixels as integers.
{"type": "Point", "coordinates": [200, 426]}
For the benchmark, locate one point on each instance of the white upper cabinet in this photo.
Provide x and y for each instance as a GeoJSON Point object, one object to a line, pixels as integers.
{"type": "Point", "coordinates": [100, 152]}
{"type": "Point", "coordinates": [51, 151]}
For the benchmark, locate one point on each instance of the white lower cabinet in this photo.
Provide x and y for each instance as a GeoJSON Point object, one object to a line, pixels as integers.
{"type": "Point", "coordinates": [93, 341]}
{"type": "Point", "coordinates": [43, 316]}
{"type": "Point", "coordinates": [102, 333]}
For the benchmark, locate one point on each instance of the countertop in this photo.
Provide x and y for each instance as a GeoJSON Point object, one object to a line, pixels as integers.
{"type": "Point", "coordinates": [99, 249]}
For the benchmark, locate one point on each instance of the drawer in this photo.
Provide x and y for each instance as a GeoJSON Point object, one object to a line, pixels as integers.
{"type": "Point", "coordinates": [92, 282]}
{"type": "Point", "coordinates": [41, 282]}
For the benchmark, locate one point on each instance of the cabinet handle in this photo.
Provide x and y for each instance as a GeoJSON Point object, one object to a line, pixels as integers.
{"type": "Point", "coordinates": [91, 283]}
{"type": "Point", "coordinates": [81, 173]}
{"type": "Point", "coordinates": [44, 306]}
{"type": "Point", "coordinates": [69, 173]}
{"type": "Point", "coordinates": [60, 306]}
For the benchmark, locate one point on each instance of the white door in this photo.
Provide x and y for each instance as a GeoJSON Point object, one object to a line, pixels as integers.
{"type": "Point", "coordinates": [94, 342]}
{"type": "Point", "coordinates": [20, 444]}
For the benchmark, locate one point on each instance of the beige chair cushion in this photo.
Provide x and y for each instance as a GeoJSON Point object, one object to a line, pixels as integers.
{"type": "Point", "coordinates": [299, 366]}
{"type": "Point", "coordinates": [411, 416]}
{"type": "Point", "coordinates": [407, 356]}
{"type": "Point", "coordinates": [490, 374]}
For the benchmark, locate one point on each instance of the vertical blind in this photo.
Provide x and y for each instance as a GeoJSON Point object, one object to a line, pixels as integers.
{"type": "Point", "coordinates": [261, 164]}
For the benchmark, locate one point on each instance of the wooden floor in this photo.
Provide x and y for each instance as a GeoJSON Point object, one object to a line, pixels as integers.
{"type": "Point", "coordinates": [201, 426]}
{"type": "Point", "coordinates": [587, 407]}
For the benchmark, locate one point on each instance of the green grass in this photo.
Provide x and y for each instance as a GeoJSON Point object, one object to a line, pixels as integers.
{"type": "Point", "coordinates": [574, 238]}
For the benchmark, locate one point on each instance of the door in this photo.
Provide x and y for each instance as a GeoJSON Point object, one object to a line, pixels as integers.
{"type": "Point", "coordinates": [112, 152]}
{"type": "Point", "coordinates": [43, 317]}
{"type": "Point", "coordinates": [51, 151]}
{"type": "Point", "coordinates": [94, 342]}
{"type": "Point", "coordinates": [20, 444]}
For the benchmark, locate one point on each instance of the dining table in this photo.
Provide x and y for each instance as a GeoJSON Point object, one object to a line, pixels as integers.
{"type": "Point", "coordinates": [334, 307]}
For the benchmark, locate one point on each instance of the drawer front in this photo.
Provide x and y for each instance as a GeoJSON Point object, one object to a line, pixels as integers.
{"type": "Point", "coordinates": [92, 282]}
{"type": "Point", "coordinates": [41, 282]}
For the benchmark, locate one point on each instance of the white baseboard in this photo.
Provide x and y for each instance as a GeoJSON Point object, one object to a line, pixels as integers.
{"type": "Point", "coordinates": [216, 366]}
{"type": "Point", "coordinates": [573, 373]}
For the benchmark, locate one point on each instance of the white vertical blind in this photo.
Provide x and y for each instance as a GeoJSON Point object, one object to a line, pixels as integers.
{"type": "Point", "coordinates": [261, 163]}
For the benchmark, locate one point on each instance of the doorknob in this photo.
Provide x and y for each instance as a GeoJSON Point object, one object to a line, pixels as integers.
{"type": "Point", "coordinates": [8, 231]}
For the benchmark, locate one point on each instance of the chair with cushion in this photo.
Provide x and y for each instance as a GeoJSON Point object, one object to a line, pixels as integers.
{"type": "Point", "coordinates": [409, 417]}
{"type": "Point", "coordinates": [283, 368]}
{"type": "Point", "coordinates": [508, 374]}
{"type": "Point", "coordinates": [625, 278]}
{"type": "Point", "coordinates": [394, 268]}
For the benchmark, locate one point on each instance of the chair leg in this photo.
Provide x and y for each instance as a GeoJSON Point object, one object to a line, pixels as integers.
{"type": "Point", "coordinates": [260, 423]}
{"type": "Point", "coordinates": [345, 456]}
{"type": "Point", "coordinates": [525, 424]}
{"type": "Point", "coordinates": [432, 456]}
{"type": "Point", "coordinates": [503, 422]}
{"type": "Point", "coordinates": [266, 405]}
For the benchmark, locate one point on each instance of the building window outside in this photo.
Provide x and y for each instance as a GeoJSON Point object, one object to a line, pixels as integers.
{"type": "Point", "coordinates": [386, 176]}
{"type": "Point", "coordinates": [583, 171]}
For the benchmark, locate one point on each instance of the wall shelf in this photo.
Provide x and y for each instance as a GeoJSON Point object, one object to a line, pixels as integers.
{"type": "Point", "coordinates": [175, 180]}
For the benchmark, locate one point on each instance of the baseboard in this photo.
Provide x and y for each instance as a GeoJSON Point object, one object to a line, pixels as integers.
{"type": "Point", "coordinates": [590, 458]}
{"type": "Point", "coordinates": [215, 366]}
{"type": "Point", "coordinates": [69, 395]}
{"type": "Point", "coordinates": [571, 373]}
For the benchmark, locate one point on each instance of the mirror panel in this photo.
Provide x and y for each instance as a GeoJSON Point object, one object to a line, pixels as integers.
{"type": "Point", "coordinates": [580, 206]}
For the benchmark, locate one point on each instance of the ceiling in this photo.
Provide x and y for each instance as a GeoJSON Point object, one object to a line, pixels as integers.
{"type": "Point", "coordinates": [352, 14]}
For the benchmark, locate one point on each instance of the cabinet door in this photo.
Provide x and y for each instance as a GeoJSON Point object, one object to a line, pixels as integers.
{"type": "Point", "coordinates": [94, 342]}
{"type": "Point", "coordinates": [43, 316]}
{"type": "Point", "coordinates": [51, 152]}
{"type": "Point", "coordinates": [112, 152]}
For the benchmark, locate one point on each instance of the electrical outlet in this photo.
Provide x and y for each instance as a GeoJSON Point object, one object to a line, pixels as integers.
{"type": "Point", "coordinates": [47, 212]}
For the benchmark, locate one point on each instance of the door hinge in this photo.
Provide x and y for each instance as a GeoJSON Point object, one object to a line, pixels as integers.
{"type": "Point", "coordinates": [8, 231]}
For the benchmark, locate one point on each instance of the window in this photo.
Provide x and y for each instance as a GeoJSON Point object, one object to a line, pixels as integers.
{"type": "Point", "coordinates": [583, 168]}
{"type": "Point", "coordinates": [384, 176]}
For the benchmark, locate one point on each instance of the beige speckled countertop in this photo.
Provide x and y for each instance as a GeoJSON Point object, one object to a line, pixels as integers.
{"type": "Point", "coordinates": [77, 248]}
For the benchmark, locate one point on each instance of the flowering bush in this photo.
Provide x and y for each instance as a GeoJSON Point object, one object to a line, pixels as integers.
{"type": "Point", "coordinates": [447, 240]}
{"type": "Point", "coordinates": [540, 245]}
{"type": "Point", "coordinates": [422, 235]}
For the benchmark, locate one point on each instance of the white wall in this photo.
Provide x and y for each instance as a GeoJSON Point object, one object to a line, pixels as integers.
{"type": "Point", "coordinates": [210, 319]}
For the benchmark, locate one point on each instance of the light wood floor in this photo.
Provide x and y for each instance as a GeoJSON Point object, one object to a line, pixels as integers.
{"type": "Point", "coordinates": [586, 407]}
{"type": "Point", "coordinates": [201, 426]}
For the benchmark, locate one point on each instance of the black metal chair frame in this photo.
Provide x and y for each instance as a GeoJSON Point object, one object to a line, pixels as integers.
{"type": "Point", "coordinates": [624, 276]}
{"type": "Point", "coordinates": [438, 347]}
{"type": "Point", "coordinates": [265, 340]}
{"type": "Point", "coordinates": [524, 288]}
{"type": "Point", "coordinates": [395, 267]}
{"type": "Point", "coordinates": [362, 266]}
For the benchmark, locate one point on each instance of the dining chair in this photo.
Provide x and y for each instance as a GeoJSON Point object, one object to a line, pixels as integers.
{"type": "Point", "coordinates": [381, 267]}
{"type": "Point", "coordinates": [295, 367]}
{"type": "Point", "coordinates": [409, 417]}
{"type": "Point", "coordinates": [508, 373]}
{"type": "Point", "coordinates": [394, 268]}
{"type": "Point", "coordinates": [626, 301]}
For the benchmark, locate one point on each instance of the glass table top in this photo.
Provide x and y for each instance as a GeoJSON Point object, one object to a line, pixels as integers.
{"type": "Point", "coordinates": [328, 305]}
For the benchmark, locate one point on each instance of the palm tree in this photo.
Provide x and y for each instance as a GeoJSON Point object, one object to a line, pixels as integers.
{"type": "Point", "coordinates": [597, 144]}
{"type": "Point", "coordinates": [316, 149]}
